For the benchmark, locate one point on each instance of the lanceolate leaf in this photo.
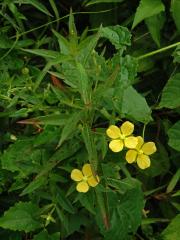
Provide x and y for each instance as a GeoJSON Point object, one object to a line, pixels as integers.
{"type": "Point", "coordinates": [70, 126]}
{"type": "Point", "coordinates": [175, 8]}
{"type": "Point", "coordinates": [91, 2]}
{"type": "Point", "coordinates": [90, 146]}
{"type": "Point", "coordinates": [147, 8]}
{"type": "Point", "coordinates": [155, 24]}
{"type": "Point", "coordinates": [37, 5]}
{"type": "Point", "coordinates": [24, 216]}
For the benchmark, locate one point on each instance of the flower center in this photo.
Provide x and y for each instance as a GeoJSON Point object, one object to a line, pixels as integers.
{"type": "Point", "coordinates": [85, 178]}
{"type": "Point", "coordinates": [122, 136]}
{"type": "Point", "coordinates": [140, 152]}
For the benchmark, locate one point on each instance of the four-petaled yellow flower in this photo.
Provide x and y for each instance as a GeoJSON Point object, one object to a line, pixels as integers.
{"type": "Point", "coordinates": [121, 136]}
{"type": "Point", "coordinates": [141, 153]}
{"type": "Point", "coordinates": [85, 178]}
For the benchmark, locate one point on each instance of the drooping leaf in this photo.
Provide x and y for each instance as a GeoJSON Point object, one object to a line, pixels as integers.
{"type": "Point", "coordinates": [155, 25]}
{"type": "Point", "coordinates": [174, 136]}
{"type": "Point", "coordinates": [37, 4]}
{"type": "Point", "coordinates": [135, 106]}
{"type": "Point", "coordinates": [23, 216]}
{"type": "Point", "coordinates": [175, 8]}
{"type": "Point", "coordinates": [91, 2]}
{"type": "Point", "coordinates": [146, 9]}
{"type": "Point", "coordinates": [171, 90]}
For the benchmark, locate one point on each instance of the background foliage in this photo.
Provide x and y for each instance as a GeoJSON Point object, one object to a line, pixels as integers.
{"type": "Point", "coordinates": [69, 69]}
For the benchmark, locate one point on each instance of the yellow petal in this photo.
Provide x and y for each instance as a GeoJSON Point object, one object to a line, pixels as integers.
{"type": "Point", "coordinates": [76, 175]}
{"type": "Point", "coordinates": [127, 128]}
{"type": "Point", "coordinates": [143, 161]}
{"type": "Point", "coordinates": [131, 142]}
{"type": "Point", "coordinates": [149, 148]}
{"type": "Point", "coordinates": [92, 181]}
{"type": "Point", "coordinates": [82, 187]}
{"type": "Point", "coordinates": [131, 156]}
{"type": "Point", "coordinates": [140, 142]}
{"type": "Point", "coordinates": [87, 171]}
{"type": "Point", "coordinates": [116, 145]}
{"type": "Point", "coordinates": [113, 132]}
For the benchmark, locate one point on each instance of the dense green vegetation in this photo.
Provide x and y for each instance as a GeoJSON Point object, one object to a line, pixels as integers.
{"type": "Point", "coordinates": [89, 119]}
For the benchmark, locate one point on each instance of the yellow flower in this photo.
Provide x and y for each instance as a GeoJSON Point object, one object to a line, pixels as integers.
{"type": "Point", "coordinates": [141, 153]}
{"type": "Point", "coordinates": [121, 136]}
{"type": "Point", "coordinates": [85, 178]}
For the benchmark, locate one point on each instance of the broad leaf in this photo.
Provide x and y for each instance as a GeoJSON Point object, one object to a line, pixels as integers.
{"type": "Point", "coordinates": [45, 236]}
{"type": "Point", "coordinates": [23, 216]}
{"type": "Point", "coordinates": [174, 136]}
{"type": "Point", "coordinates": [173, 230]}
{"type": "Point", "coordinates": [117, 35]}
{"type": "Point", "coordinates": [170, 95]}
{"type": "Point", "coordinates": [21, 157]}
{"type": "Point", "coordinates": [125, 210]}
{"type": "Point", "coordinates": [135, 106]}
{"type": "Point", "coordinates": [146, 9]}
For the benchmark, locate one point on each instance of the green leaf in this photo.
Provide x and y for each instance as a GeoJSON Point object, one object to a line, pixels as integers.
{"type": "Point", "coordinates": [91, 2]}
{"type": "Point", "coordinates": [174, 136]}
{"type": "Point", "coordinates": [21, 157]}
{"type": "Point", "coordinates": [170, 94]}
{"type": "Point", "coordinates": [125, 211]}
{"type": "Point", "coordinates": [135, 106]}
{"type": "Point", "coordinates": [84, 84]}
{"type": "Point", "coordinates": [173, 181]}
{"type": "Point", "coordinates": [160, 163]}
{"type": "Point", "coordinates": [155, 24]}
{"type": "Point", "coordinates": [173, 230]}
{"type": "Point", "coordinates": [61, 199]}
{"type": "Point", "coordinates": [175, 8]}
{"type": "Point", "coordinates": [146, 9]}
{"type": "Point", "coordinates": [50, 54]}
{"type": "Point", "coordinates": [52, 119]}
{"type": "Point", "coordinates": [119, 36]}
{"type": "Point", "coordinates": [23, 216]}
{"type": "Point", "coordinates": [37, 4]}
{"type": "Point", "coordinates": [90, 146]}
{"type": "Point", "coordinates": [66, 151]}
{"type": "Point", "coordinates": [72, 28]}
{"type": "Point", "coordinates": [63, 43]}
{"type": "Point", "coordinates": [34, 185]}
{"type": "Point", "coordinates": [70, 127]}
{"type": "Point", "coordinates": [45, 236]}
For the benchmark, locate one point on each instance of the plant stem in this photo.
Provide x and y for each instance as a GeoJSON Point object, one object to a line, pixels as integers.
{"type": "Point", "coordinates": [158, 51]}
